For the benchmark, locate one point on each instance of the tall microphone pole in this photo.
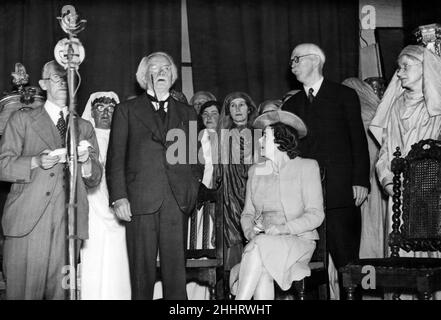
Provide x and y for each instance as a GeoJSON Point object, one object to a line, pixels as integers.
{"type": "Point", "coordinates": [70, 53]}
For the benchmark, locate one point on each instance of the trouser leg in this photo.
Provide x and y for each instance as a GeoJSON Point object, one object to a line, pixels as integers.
{"type": "Point", "coordinates": [172, 245]}
{"type": "Point", "coordinates": [26, 261]}
{"type": "Point", "coordinates": [343, 232]}
{"type": "Point", "coordinates": [142, 239]}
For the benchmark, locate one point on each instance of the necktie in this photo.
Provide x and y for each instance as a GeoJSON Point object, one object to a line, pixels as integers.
{"type": "Point", "coordinates": [161, 110]}
{"type": "Point", "coordinates": [62, 127]}
{"type": "Point", "coordinates": [310, 95]}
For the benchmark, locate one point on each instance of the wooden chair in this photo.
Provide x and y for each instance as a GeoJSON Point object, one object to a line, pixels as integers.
{"type": "Point", "coordinates": [205, 265]}
{"type": "Point", "coordinates": [319, 261]}
{"type": "Point", "coordinates": [416, 227]}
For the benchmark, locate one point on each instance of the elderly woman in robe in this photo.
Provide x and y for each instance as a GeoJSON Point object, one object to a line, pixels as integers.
{"type": "Point", "coordinates": [104, 261]}
{"type": "Point", "coordinates": [410, 111]}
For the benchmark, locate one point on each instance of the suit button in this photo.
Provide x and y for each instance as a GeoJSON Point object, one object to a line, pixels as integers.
{"type": "Point", "coordinates": [52, 174]}
{"type": "Point", "coordinates": [48, 193]}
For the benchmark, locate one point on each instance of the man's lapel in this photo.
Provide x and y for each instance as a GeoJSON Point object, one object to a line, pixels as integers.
{"type": "Point", "coordinates": [174, 115]}
{"type": "Point", "coordinates": [302, 103]}
{"type": "Point", "coordinates": [46, 129]}
{"type": "Point", "coordinates": [145, 113]}
{"type": "Point", "coordinates": [323, 94]}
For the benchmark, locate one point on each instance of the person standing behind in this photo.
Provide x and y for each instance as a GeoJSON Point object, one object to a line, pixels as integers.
{"type": "Point", "coordinates": [34, 219]}
{"type": "Point", "coordinates": [104, 262]}
{"type": "Point", "coordinates": [338, 142]}
{"type": "Point", "coordinates": [409, 112]}
{"type": "Point", "coordinates": [147, 190]}
{"type": "Point", "coordinates": [373, 210]}
{"type": "Point", "coordinates": [199, 98]}
{"type": "Point", "coordinates": [236, 157]}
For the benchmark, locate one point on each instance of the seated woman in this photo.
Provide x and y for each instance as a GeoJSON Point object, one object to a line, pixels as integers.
{"type": "Point", "coordinates": [283, 207]}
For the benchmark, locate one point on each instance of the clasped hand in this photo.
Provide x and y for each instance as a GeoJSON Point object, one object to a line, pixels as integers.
{"type": "Point", "coordinates": [272, 230]}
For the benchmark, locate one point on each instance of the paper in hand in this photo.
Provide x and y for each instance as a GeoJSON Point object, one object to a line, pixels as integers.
{"type": "Point", "coordinates": [61, 153]}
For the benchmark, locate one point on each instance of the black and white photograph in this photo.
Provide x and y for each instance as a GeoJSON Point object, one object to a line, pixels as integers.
{"type": "Point", "coordinates": [220, 150]}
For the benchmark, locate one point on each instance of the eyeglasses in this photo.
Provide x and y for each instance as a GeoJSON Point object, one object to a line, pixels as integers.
{"type": "Point", "coordinates": [296, 59]}
{"type": "Point", "coordinates": [55, 78]}
{"type": "Point", "coordinates": [156, 69]}
{"type": "Point", "coordinates": [101, 108]}
{"type": "Point", "coordinates": [405, 67]}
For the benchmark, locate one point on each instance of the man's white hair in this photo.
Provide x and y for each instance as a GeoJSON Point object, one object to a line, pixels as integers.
{"type": "Point", "coordinates": [144, 64]}
{"type": "Point", "coordinates": [314, 49]}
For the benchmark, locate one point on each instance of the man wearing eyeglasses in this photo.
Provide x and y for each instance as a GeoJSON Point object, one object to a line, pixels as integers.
{"type": "Point", "coordinates": [32, 157]}
{"type": "Point", "coordinates": [336, 139]}
{"type": "Point", "coordinates": [151, 194]}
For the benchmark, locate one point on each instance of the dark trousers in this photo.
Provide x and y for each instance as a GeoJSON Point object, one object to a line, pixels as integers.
{"type": "Point", "coordinates": [343, 233]}
{"type": "Point", "coordinates": [164, 230]}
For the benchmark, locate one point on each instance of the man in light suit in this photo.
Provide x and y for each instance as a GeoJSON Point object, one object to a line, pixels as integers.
{"type": "Point", "coordinates": [336, 139]}
{"type": "Point", "coordinates": [34, 219]}
{"type": "Point", "coordinates": [152, 194]}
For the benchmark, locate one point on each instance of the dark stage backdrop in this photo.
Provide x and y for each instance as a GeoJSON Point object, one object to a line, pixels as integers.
{"type": "Point", "coordinates": [117, 36]}
{"type": "Point", "coordinates": [244, 45]}
{"type": "Point", "coordinates": [236, 45]}
{"type": "Point", "coordinates": [417, 13]}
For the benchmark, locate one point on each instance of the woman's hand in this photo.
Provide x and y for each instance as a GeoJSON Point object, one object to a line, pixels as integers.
{"type": "Point", "coordinates": [250, 234]}
{"type": "Point", "coordinates": [389, 188]}
{"type": "Point", "coordinates": [275, 230]}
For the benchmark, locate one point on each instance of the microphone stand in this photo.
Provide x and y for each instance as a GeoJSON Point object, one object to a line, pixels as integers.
{"type": "Point", "coordinates": [70, 55]}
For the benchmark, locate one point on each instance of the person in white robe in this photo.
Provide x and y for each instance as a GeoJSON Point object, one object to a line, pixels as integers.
{"type": "Point", "coordinates": [104, 262]}
{"type": "Point", "coordinates": [410, 111]}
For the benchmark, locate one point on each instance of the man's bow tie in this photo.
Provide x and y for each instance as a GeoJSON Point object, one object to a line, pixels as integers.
{"type": "Point", "coordinates": [154, 99]}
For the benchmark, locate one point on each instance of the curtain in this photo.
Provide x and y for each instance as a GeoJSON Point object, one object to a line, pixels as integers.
{"type": "Point", "coordinates": [418, 13]}
{"type": "Point", "coordinates": [246, 45]}
{"type": "Point", "coordinates": [118, 34]}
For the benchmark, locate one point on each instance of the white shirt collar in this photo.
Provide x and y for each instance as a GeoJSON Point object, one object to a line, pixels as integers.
{"type": "Point", "coordinates": [155, 104]}
{"type": "Point", "coordinates": [316, 86]}
{"type": "Point", "coordinates": [54, 111]}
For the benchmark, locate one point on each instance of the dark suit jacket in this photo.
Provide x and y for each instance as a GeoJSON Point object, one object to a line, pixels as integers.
{"type": "Point", "coordinates": [27, 134]}
{"type": "Point", "coordinates": [336, 139]}
{"type": "Point", "coordinates": [137, 165]}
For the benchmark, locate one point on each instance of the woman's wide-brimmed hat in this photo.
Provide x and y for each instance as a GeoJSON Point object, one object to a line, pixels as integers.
{"type": "Point", "coordinates": [285, 117]}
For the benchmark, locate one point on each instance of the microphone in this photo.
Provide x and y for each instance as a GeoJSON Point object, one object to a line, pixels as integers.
{"type": "Point", "coordinates": [153, 87]}
{"type": "Point", "coordinates": [70, 51]}
{"type": "Point", "coordinates": [68, 21]}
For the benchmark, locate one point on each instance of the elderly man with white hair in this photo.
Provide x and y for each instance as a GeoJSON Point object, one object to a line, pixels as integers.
{"type": "Point", "coordinates": [336, 139]}
{"type": "Point", "coordinates": [151, 194]}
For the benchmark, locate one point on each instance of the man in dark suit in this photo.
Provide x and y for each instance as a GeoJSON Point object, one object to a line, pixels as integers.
{"type": "Point", "coordinates": [34, 219]}
{"type": "Point", "coordinates": [147, 189]}
{"type": "Point", "coordinates": [336, 139]}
